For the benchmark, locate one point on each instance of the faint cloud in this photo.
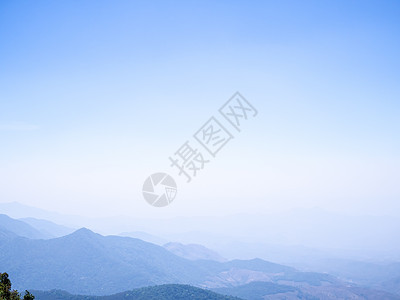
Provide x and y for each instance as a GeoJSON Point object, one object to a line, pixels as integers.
{"type": "Point", "coordinates": [18, 126]}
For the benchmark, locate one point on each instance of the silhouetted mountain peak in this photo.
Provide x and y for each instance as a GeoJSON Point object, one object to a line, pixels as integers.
{"type": "Point", "coordinates": [84, 233]}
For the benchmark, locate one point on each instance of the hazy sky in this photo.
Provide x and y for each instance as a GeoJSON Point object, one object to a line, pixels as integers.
{"type": "Point", "coordinates": [96, 95]}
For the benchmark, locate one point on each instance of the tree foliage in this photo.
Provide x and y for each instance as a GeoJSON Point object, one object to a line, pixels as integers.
{"type": "Point", "coordinates": [6, 293]}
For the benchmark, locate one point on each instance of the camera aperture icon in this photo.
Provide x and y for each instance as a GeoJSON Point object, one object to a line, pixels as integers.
{"type": "Point", "coordinates": [159, 189]}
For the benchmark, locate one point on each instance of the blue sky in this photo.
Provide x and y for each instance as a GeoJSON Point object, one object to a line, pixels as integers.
{"type": "Point", "coordinates": [95, 95]}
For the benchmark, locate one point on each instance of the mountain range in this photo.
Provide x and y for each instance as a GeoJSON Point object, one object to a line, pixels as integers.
{"type": "Point", "coordinates": [44, 256]}
{"type": "Point", "coordinates": [85, 262]}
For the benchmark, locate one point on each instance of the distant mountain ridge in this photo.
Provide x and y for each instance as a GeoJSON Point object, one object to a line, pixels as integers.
{"type": "Point", "coordinates": [144, 237]}
{"type": "Point", "coordinates": [193, 252]}
{"type": "Point", "coordinates": [21, 228]}
{"type": "Point", "coordinates": [233, 236]}
{"type": "Point", "coordinates": [48, 228]}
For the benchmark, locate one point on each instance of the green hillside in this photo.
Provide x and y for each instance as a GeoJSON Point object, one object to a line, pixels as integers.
{"type": "Point", "coordinates": [160, 292]}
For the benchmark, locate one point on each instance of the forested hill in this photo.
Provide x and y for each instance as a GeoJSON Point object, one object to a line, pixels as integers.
{"type": "Point", "coordinates": [160, 292]}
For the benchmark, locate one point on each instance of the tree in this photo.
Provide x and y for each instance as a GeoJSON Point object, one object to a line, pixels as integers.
{"type": "Point", "coordinates": [7, 294]}
{"type": "Point", "coordinates": [28, 296]}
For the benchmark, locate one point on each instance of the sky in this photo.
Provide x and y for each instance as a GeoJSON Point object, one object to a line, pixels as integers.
{"type": "Point", "coordinates": [95, 96]}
